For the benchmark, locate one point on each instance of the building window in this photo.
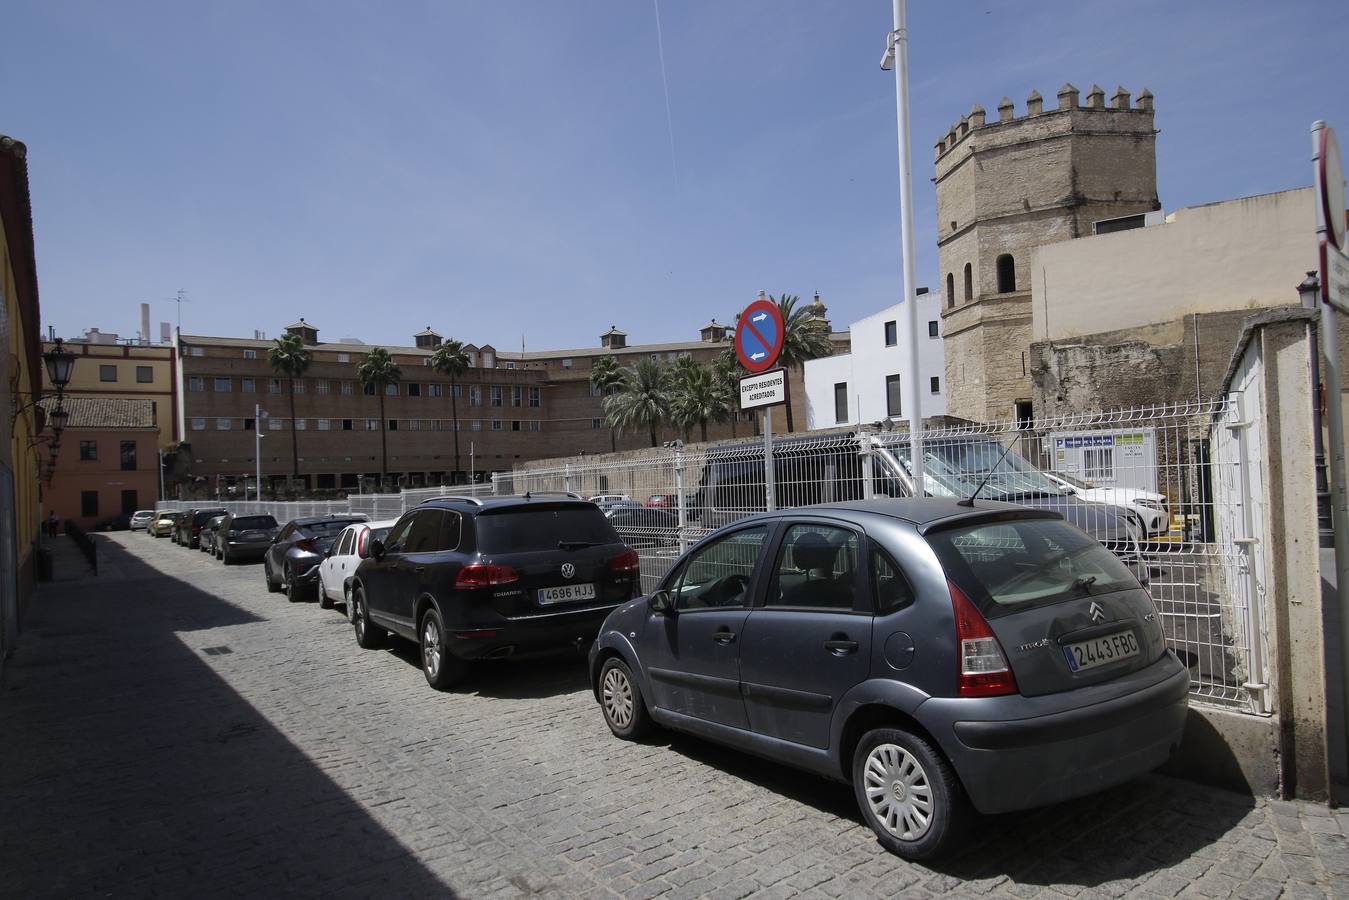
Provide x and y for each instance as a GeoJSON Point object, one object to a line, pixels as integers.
{"type": "Point", "coordinates": [841, 402]}
{"type": "Point", "coordinates": [250, 424]}
{"type": "Point", "coordinates": [488, 359]}
{"type": "Point", "coordinates": [196, 351]}
{"type": "Point", "coordinates": [391, 390]}
{"type": "Point", "coordinates": [893, 406]}
{"type": "Point", "coordinates": [347, 425]}
{"type": "Point", "coordinates": [496, 425]}
{"type": "Point", "coordinates": [934, 384]}
{"type": "Point", "coordinates": [932, 330]}
{"type": "Point", "coordinates": [368, 390]}
{"type": "Point", "coordinates": [515, 425]}
{"type": "Point", "coordinates": [300, 424]}
{"type": "Point", "coordinates": [1006, 274]}
{"type": "Point", "coordinates": [533, 424]}
{"type": "Point", "coordinates": [324, 425]}
{"type": "Point", "coordinates": [344, 357]}
{"type": "Point", "coordinates": [222, 386]}
{"type": "Point", "coordinates": [566, 364]}
{"type": "Point", "coordinates": [457, 391]}
{"type": "Point", "coordinates": [196, 383]}
{"type": "Point", "coordinates": [535, 396]}
{"type": "Point", "coordinates": [594, 389]}
{"type": "Point", "coordinates": [88, 449]}
{"type": "Point", "coordinates": [1025, 415]}
{"type": "Point", "coordinates": [594, 423]}
{"type": "Point", "coordinates": [517, 395]}
{"type": "Point", "coordinates": [891, 334]}
{"type": "Point", "coordinates": [969, 282]}
{"type": "Point", "coordinates": [198, 424]}
{"type": "Point", "coordinates": [297, 385]}
{"type": "Point", "coordinates": [247, 386]}
{"type": "Point", "coordinates": [414, 390]}
{"type": "Point", "coordinates": [510, 365]}
{"type": "Point", "coordinates": [88, 503]}
{"type": "Point", "coordinates": [433, 390]}
{"type": "Point", "coordinates": [496, 394]}
{"type": "Point", "coordinates": [273, 385]}
{"type": "Point", "coordinates": [275, 424]}
{"type": "Point", "coordinates": [372, 424]}
{"type": "Point", "coordinates": [321, 387]}
{"type": "Point", "coordinates": [128, 456]}
{"type": "Point", "coordinates": [950, 290]}
{"type": "Point", "coordinates": [475, 395]}
{"type": "Point", "coordinates": [250, 354]}
{"type": "Point", "coordinates": [222, 424]}
{"type": "Point", "coordinates": [346, 389]}
{"type": "Point", "coordinates": [393, 424]}
{"type": "Point", "coordinates": [476, 425]}
{"type": "Point", "coordinates": [145, 374]}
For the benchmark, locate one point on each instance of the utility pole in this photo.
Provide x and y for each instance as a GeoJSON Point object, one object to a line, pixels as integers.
{"type": "Point", "coordinates": [258, 414]}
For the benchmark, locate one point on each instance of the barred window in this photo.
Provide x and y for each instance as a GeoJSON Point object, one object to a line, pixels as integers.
{"type": "Point", "coordinates": [247, 386]}
{"type": "Point", "coordinates": [222, 424]}
{"type": "Point", "coordinates": [196, 383]}
{"type": "Point", "coordinates": [321, 387]}
{"type": "Point", "coordinates": [198, 424]}
{"type": "Point", "coordinates": [223, 386]}
{"type": "Point", "coordinates": [324, 425]}
{"type": "Point", "coordinates": [535, 396]}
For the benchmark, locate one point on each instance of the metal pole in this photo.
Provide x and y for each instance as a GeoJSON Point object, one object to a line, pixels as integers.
{"type": "Point", "coordinates": [868, 469]}
{"type": "Point", "coordinates": [914, 392]}
{"type": "Point", "coordinates": [770, 494]}
{"type": "Point", "coordinates": [472, 469]}
{"type": "Point", "coordinates": [257, 448]}
{"type": "Point", "coordinates": [682, 502]}
{"type": "Point", "coordinates": [162, 495]}
{"type": "Point", "coordinates": [1330, 347]}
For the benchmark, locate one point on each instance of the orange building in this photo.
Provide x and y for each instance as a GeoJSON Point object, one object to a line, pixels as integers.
{"type": "Point", "coordinates": [109, 460]}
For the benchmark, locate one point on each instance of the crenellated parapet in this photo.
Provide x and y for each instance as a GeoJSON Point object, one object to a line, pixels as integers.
{"type": "Point", "coordinates": [1068, 103]}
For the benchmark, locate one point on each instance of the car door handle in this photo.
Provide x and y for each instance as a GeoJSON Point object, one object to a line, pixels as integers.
{"type": "Point", "coordinates": [725, 636]}
{"type": "Point", "coordinates": [419, 569]}
{"type": "Point", "coordinates": [841, 648]}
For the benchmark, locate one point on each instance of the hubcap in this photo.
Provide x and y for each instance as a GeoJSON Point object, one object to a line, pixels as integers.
{"type": "Point", "coordinates": [431, 647]}
{"type": "Point", "coordinates": [898, 792]}
{"type": "Point", "coordinates": [618, 703]}
{"type": "Point", "coordinates": [359, 617]}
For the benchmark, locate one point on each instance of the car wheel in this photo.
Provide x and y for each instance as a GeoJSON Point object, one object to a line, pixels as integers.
{"type": "Point", "coordinates": [325, 602]}
{"type": "Point", "coordinates": [288, 585]}
{"type": "Point", "coordinates": [624, 709]}
{"type": "Point", "coordinates": [225, 558]}
{"type": "Point", "coordinates": [368, 634]}
{"type": "Point", "coordinates": [440, 668]}
{"type": "Point", "coordinates": [347, 601]}
{"type": "Point", "coordinates": [908, 793]}
{"type": "Point", "coordinates": [272, 586]}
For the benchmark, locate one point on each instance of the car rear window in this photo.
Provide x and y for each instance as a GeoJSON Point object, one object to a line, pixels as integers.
{"type": "Point", "coordinates": [330, 528]}
{"type": "Point", "coordinates": [527, 528]}
{"type": "Point", "coordinates": [207, 515]}
{"type": "Point", "coordinates": [1010, 565]}
{"type": "Point", "coordinates": [246, 522]}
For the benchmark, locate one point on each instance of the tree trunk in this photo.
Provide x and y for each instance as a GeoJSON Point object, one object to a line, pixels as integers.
{"type": "Point", "coordinates": [702, 427]}
{"type": "Point", "coordinates": [383, 441]}
{"type": "Point", "coordinates": [653, 433]}
{"type": "Point", "coordinates": [454, 411]}
{"type": "Point", "coordinates": [294, 437]}
{"type": "Point", "coordinates": [735, 418]}
{"type": "Point", "coordinates": [791, 425]}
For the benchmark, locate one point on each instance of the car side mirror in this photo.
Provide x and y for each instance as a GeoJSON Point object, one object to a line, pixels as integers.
{"type": "Point", "coordinates": [377, 548]}
{"type": "Point", "coordinates": [328, 554]}
{"type": "Point", "coordinates": [662, 602]}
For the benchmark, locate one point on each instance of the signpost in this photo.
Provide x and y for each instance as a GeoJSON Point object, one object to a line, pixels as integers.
{"type": "Point", "coordinates": [758, 343]}
{"type": "Point", "coordinates": [1328, 177]}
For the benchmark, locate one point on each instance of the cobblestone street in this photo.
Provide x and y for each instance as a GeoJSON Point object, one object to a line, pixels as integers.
{"type": "Point", "coordinates": [171, 728]}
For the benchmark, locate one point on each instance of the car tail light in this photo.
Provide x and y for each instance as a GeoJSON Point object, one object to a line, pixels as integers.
{"type": "Point", "coordinates": [627, 561]}
{"type": "Point", "coordinates": [983, 667]}
{"type": "Point", "coordinates": [306, 544]}
{"type": "Point", "coordinates": [475, 635]}
{"type": "Point", "coordinates": [481, 575]}
{"type": "Point", "coordinates": [363, 543]}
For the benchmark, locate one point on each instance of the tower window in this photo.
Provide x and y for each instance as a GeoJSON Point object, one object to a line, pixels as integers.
{"type": "Point", "coordinates": [891, 334]}
{"type": "Point", "coordinates": [950, 289]}
{"type": "Point", "coordinates": [969, 282]}
{"type": "Point", "coordinates": [1006, 274]}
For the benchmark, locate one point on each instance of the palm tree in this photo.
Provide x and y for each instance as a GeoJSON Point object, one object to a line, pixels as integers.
{"type": "Point", "coordinates": [698, 396]}
{"type": "Point", "coordinates": [643, 399]}
{"type": "Point", "coordinates": [679, 376]}
{"type": "Point", "coordinates": [451, 359]}
{"type": "Point", "coordinates": [805, 336]}
{"type": "Point", "coordinates": [290, 358]}
{"type": "Point", "coordinates": [378, 370]}
{"type": "Point", "coordinates": [606, 376]}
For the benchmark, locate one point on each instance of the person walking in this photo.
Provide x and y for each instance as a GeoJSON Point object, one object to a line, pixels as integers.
{"type": "Point", "coordinates": [53, 525]}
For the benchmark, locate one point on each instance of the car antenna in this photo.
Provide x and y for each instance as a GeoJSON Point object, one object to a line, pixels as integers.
{"type": "Point", "coordinates": [969, 501]}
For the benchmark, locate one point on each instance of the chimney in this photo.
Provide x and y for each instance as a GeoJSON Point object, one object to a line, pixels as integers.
{"type": "Point", "coordinates": [145, 323]}
{"type": "Point", "coordinates": [165, 333]}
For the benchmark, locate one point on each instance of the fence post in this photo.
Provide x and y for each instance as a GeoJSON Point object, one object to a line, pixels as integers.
{"type": "Point", "coordinates": [868, 475]}
{"type": "Point", "coordinates": [679, 491]}
{"type": "Point", "coordinates": [1256, 684]}
{"type": "Point", "coordinates": [566, 477]}
{"type": "Point", "coordinates": [769, 476]}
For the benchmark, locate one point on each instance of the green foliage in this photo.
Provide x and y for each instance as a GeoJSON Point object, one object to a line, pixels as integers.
{"type": "Point", "coordinates": [378, 369]}
{"type": "Point", "coordinates": [642, 400]}
{"type": "Point", "coordinates": [289, 356]}
{"type": "Point", "coordinates": [697, 396]}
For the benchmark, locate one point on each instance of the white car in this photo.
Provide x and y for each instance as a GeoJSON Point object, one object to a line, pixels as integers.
{"type": "Point", "coordinates": [140, 519]}
{"type": "Point", "coordinates": [1148, 509]}
{"type": "Point", "coordinates": [351, 546]}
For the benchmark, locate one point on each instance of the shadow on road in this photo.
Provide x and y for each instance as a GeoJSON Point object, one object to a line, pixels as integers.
{"type": "Point", "coordinates": [132, 768]}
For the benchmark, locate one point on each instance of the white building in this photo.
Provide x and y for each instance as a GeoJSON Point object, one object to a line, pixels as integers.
{"type": "Point", "coordinates": [866, 384]}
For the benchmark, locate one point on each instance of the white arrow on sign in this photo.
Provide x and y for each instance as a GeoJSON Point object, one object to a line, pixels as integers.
{"type": "Point", "coordinates": [760, 317]}
{"type": "Point", "coordinates": [757, 356]}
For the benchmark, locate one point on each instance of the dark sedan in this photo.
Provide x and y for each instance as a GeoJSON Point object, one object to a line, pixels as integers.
{"type": "Point", "coordinates": [291, 563]}
{"type": "Point", "coordinates": [244, 537]}
{"type": "Point", "coordinates": [187, 531]}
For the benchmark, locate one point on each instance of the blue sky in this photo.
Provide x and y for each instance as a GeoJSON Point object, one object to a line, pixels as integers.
{"type": "Point", "coordinates": [503, 167]}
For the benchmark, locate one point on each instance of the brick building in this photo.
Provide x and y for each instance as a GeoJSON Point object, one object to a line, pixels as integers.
{"type": "Point", "coordinates": [109, 461]}
{"type": "Point", "coordinates": [512, 406]}
{"type": "Point", "coordinates": [126, 371]}
{"type": "Point", "coordinates": [1008, 187]}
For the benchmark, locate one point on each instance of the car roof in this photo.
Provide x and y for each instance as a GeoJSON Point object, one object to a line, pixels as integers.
{"type": "Point", "coordinates": [478, 505]}
{"type": "Point", "coordinates": [382, 523]}
{"type": "Point", "coordinates": [349, 518]}
{"type": "Point", "coordinates": [925, 513]}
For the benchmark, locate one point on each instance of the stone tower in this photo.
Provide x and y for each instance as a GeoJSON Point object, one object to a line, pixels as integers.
{"type": "Point", "coordinates": [1005, 188]}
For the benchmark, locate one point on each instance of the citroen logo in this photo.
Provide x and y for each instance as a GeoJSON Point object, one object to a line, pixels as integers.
{"type": "Point", "coordinates": [568, 570]}
{"type": "Point", "coordinates": [1097, 614]}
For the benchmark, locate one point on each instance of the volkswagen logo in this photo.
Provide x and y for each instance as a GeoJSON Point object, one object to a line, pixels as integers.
{"type": "Point", "coordinates": [1097, 614]}
{"type": "Point", "coordinates": [568, 570]}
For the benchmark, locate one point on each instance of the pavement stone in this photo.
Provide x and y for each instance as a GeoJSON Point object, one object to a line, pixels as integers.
{"type": "Point", "coordinates": [170, 728]}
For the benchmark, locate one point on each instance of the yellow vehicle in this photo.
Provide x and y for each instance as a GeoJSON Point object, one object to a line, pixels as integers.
{"type": "Point", "coordinates": [162, 524]}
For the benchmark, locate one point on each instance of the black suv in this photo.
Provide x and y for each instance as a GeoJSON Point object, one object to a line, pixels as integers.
{"type": "Point", "coordinates": [188, 528]}
{"type": "Point", "coordinates": [476, 578]}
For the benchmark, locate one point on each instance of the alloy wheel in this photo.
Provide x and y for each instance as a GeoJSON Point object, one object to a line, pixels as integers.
{"type": "Point", "coordinates": [898, 792]}
{"type": "Point", "coordinates": [617, 696]}
{"type": "Point", "coordinates": [431, 646]}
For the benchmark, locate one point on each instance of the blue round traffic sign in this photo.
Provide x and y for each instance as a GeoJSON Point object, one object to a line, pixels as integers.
{"type": "Point", "coordinates": [758, 336]}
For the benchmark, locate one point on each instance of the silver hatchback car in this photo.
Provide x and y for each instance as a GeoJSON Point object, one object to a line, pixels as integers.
{"type": "Point", "coordinates": [943, 658]}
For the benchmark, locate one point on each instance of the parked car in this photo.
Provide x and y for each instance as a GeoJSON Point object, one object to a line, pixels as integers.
{"type": "Point", "coordinates": [607, 502]}
{"type": "Point", "coordinates": [644, 526]}
{"type": "Point", "coordinates": [119, 522]}
{"type": "Point", "coordinates": [943, 659]}
{"type": "Point", "coordinates": [663, 500]}
{"type": "Point", "coordinates": [291, 563]}
{"type": "Point", "coordinates": [163, 522]}
{"type": "Point", "coordinates": [240, 537]}
{"type": "Point", "coordinates": [181, 526]}
{"type": "Point", "coordinates": [187, 530]}
{"type": "Point", "coordinates": [206, 540]}
{"type": "Point", "coordinates": [140, 520]}
{"type": "Point", "coordinates": [1149, 510]}
{"type": "Point", "coordinates": [339, 564]}
{"type": "Point", "coordinates": [475, 578]}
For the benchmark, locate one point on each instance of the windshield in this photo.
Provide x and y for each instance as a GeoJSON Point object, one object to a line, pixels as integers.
{"type": "Point", "coordinates": [329, 528]}
{"type": "Point", "coordinates": [1027, 561]}
{"type": "Point", "coordinates": [1073, 480]}
{"type": "Point", "coordinates": [955, 469]}
{"type": "Point", "coordinates": [245, 522]}
{"type": "Point", "coordinates": [527, 528]}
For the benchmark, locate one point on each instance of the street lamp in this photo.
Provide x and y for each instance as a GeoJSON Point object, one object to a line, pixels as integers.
{"type": "Point", "coordinates": [60, 363]}
{"type": "Point", "coordinates": [58, 420]}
